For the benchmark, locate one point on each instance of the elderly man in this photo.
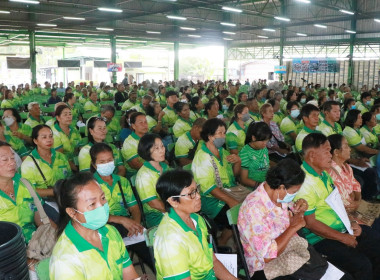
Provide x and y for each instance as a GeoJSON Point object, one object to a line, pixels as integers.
{"type": "Point", "coordinates": [35, 117]}
{"type": "Point", "coordinates": [357, 254]}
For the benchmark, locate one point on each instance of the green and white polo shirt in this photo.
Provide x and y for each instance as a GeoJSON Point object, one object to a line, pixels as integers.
{"type": "Point", "coordinates": [127, 105]}
{"type": "Point", "coordinates": [74, 257]}
{"type": "Point", "coordinates": [170, 116]}
{"type": "Point", "coordinates": [22, 128]}
{"type": "Point", "coordinates": [139, 108]}
{"type": "Point", "coordinates": [21, 210]}
{"type": "Point", "coordinates": [32, 122]}
{"type": "Point", "coordinates": [129, 151]}
{"type": "Point", "coordinates": [204, 175]}
{"type": "Point", "coordinates": [290, 125]}
{"type": "Point", "coordinates": [303, 133]}
{"type": "Point", "coordinates": [353, 136]}
{"type": "Point", "coordinates": [104, 95]}
{"type": "Point", "coordinates": [370, 137]}
{"type": "Point", "coordinates": [278, 117]}
{"type": "Point", "coordinates": [7, 103]}
{"type": "Point", "coordinates": [361, 107]}
{"type": "Point", "coordinates": [254, 117]}
{"type": "Point", "coordinates": [58, 169]}
{"type": "Point", "coordinates": [255, 161]}
{"type": "Point", "coordinates": [68, 142]}
{"type": "Point", "coordinates": [326, 128]}
{"type": "Point", "coordinates": [315, 189]}
{"type": "Point", "coordinates": [151, 122]}
{"type": "Point", "coordinates": [91, 107]}
{"type": "Point", "coordinates": [183, 145]}
{"type": "Point", "coordinates": [146, 180]}
{"type": "Point", "coordinates": [235, 137]}
{"type": "Point", "coordinates": [84, 157]}
{"type": "Point", "coordinates": [181, 252]}
{"type": "Point", "coordinates": [181, 126]}
{"type": "Point", "coordinates": [113, 194]}
{"type": "Point", "coordinates": [17, 145]}
{"type": "Point", "coordinates": [161, 98]}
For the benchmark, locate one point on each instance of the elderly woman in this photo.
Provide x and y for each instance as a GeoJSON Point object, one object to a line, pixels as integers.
{"type": "Point", "coordinates": [152, 151]}
{"type": "Point", "coordinates": [87, 248]}
{"type": "Point", "coordinates": [235, 135]}
{"type": "Point", "coordinates": [9, 101]}
{"type": "Point", "coordinates": [14, 126]}
{"type": "Point", "coordinates": [264, 223]}
{"type": "Point", "coordinates": [211, 157]}
{"type": "Point", "coordinates": [181, 246]}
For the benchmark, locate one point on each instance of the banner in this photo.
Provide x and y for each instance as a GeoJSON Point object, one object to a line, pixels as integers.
{"type": "Point", "coordinates": [280, 69]}
{"type": "Point", "coordinates": [18, 62]}
{"type": "Point", "coordinates": [132, 64]}
{"type": "Point", "coordinates": [114, 67]}
{"type": "Point", "coordinates": [315, 65]}
{"type": "Point", "coordinates": [101, 63]}
{"type": "Point", "coordinates": [68, 63]}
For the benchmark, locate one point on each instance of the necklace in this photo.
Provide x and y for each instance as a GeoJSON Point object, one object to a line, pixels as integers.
{"type": "Point", "coordinates": [9, 193]}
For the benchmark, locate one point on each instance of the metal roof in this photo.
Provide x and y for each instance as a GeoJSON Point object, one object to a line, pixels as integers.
{"type": "Point", "coordinates": [145, 22]}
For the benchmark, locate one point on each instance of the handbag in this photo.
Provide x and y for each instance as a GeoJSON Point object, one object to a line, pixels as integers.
{"type": "Point", "coordinates": [238, 192]}
{"type": "Point", "coordinates": [314, 268]}
{"type": "Point", "coordinates": [39, 169]}
{"type": "Point", "coordinates": [44, 238]}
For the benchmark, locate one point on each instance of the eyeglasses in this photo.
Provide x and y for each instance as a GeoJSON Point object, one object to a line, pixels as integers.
{"type": "Point", "coordinates": [192, 195]}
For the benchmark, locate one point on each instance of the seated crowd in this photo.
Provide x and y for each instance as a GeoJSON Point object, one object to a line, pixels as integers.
{"type": "Point", "coordinates": [108, 161]}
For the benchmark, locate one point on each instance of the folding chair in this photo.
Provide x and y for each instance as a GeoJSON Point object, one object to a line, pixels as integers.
{"type": "Point", "coordinates": [232, 215]}
{"type": "Point", "coordinates": [132, 181]}
{"type": "Point", "coordinates": [149, 235]}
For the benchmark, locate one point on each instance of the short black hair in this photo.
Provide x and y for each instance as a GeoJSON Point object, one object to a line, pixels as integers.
{"type": "Point", "coordinates": [134, 116]}
{"type": "Point", "coordinates": [170, 93]}
{"type": "Point", "coordinates": [291, 104]}
{"type": "Point", "coordinates": [260, 130]}
{"type": "Point", "coordinates": [178, 106]}
{"type": "Point", "coordinates": [194, 101]}
{"type": "Point", "coordinates": [210, 127]}
{"type": "Point", "coordinates": [352, 117]}
{"type": "Point", "coordinates": [90, 125]}
{"type": "Point", "coordinates": [365, 95]}
{"type": "Point", "coordinates": [335, 142]}
{"type": "Point", "coordinates": [366, 117]}
{"type": "Point", "coordinates": [307, 109]}
{"type": "Point", "coordinates": [95, 150]}
{"type": "Point", "coordinates": [287, 172]}
{"type": "Point", "coordinates": [289, 95]}
{"type": "Point", "coordinates": [14, 113]}
{"type": "Point", "coordinates": [347, 102]}
{"type": "Point", "coordinates": [327, 106]}
{"type": "Point", "coordinates": [313, 141]}
{"type": "Point", "coordinates": [36, 131]}
{"type": "Point", "coordinates": [172, 183]}
{"type": "Point", "coordinates": [145, 145]}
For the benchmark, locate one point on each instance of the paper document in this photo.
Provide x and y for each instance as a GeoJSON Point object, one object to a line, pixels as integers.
{"type": "Point", "coordinates": [332, 273]}
{"type": "Point", "coordinates": [229, 261]}
{"type": "Point", "coordinates": [130, 240]}
{"type": "Point", "coordinates": [334, 200]}
{"type": "Point", "coordinates": [360, 167]}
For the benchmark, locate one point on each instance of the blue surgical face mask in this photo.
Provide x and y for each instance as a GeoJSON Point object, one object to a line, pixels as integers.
{"type": "Point", "coordinates": [219, 142]}
{"type": "Point", "coordinates": [225, 107]}
{"type": "Point", "coordinates": [303, 89]}
{"type": "Point", "coordinates": [263, 99]}
{"type": "Point", "coordinates": [96, 218]}
{"type": "Point", "coordinates": [303, 100]}
{"type": "Point", "coordinates": [105, 169]}
{"type": "Point", "coordinates": [288, 198]}
{"type": "Point", "coordinates": [353, 107]}
{"type": "Point", "coordinates": [378, 117]}
{"type": "Point", "coordinates": [368, 102]}
{"type": "Point", "coordinates": [246, 117]}
{"type": "Point", "coordinates": [294, 113]}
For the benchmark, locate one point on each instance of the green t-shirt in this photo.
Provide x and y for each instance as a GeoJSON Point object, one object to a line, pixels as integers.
{"type": "Point", "coordinates": [91, 107]}
{"type": "Point", "coordinates": [303, 133]}
{"type": "Point", "coordinates": [129, 152]}
{"type": "Point", "coordinates": [183, 145]}
{"type": "Point", "coordinates": [181, 252]}
{"type": "Point", "coordinates": [290, 125]}
{"type": "Point", "coordinates": [85, 159]}
{"type": "Point", "coordinates": [204, 174]}
{"type": "Point", "coordinates": [353, 136]}
{"type": "Point", "coordinates": [68, 142]}
{"type": "Point", "coordinates": [151, 122]}
{"type": "Point", "coordinates": [161, 98]}
{"type": "Point", "coordinates": [315, 189]}
{"type": "Point", "coordinates": [139, 108]}
{"type": "Point", "coordinates": [58, 169]}
{"type": "Point", "coordinates": [170, 117]}
{"type": "Point", "coordinates": [19, 211]}
{"type": "Point", "coordinates": [326, 128]}
{"type": "Point", "coordinates": [370, 137]}
{"type": "Point", "coordinates": [278, 117]}
{"type": "Point", "coordinates": [74, 257]}
{"type": "Point", "coordinates": [235, 137]}
{"type": "Point", "coordinates": [7, 103]}
{"type": "Point", "coordinates": [146, 180]}
{"type": "Point", "coordinates": [113, 194]}
{"type": "Point", "coordinates": [32, 122]}
{"type": "Point", "coordinates": [127, 105]}
{"type": "Point", "coordinates": [113, 127]}
{"type": "Point", "coordinates": [22, 128]}
{"type": "Point", "coordinates": [256, 161]}
{"type": "Point", "coordinates": [362, 108]}
{"type": "Point", "coordinates": [181, 126]}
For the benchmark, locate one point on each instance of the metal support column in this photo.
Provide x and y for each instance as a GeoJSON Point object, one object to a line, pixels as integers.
{"type": "Point", "coordinates": [176, 60]}
{"type": "Point", "coordinates": [113, 56]}
{"type": "Point", "coordinates": [32, 55]}
{"type": "Point", "coordinates": [64, 69]}
{"type": "Point", "coordinates": [282, 36]}
{"type": "Point", "coordinates": [225, 64]}
{"type": "Point", "coordinates": [352, 43]}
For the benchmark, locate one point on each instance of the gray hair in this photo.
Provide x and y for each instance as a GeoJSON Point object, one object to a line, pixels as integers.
{"type": "Point", "coordinates": [107, 108]}
{"type": "Point", "coordinates": [31, 104]}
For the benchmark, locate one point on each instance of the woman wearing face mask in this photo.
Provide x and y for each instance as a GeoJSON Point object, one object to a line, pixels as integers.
{"type": "Point", "coordinates": [126, 218]}
{"type": "Point", "coordinates": [349, 104]}
{"type": "Point", "coordinates": [152, 150]}
{"type": "Point", "coordinates": [15, 127]}
{"type": "Point", "coordinates": [215, 202]}
{"type": "Point", "coordinates": [87, 248]}
{"type": "Point", "coordinates": [301, 99]}
{"type": "Point", "coordinates": [264, 223]}
{"type": "Point", "coordinates": [183, 124]}
{"type": "Point", "coordinates": [291, 126]}
{"type": "Point", "coordinates": [235, 135]}
{"type": "Point", "coordinates": [97, 131]}
{"type": "Point", "coordinates": [228, 108]}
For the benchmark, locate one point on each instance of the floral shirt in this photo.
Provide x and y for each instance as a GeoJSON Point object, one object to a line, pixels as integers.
{"type": "Point", "coordinates": [277, 133]}
{"type": "Point", "coordinates": [260, 222]}
{"type": "Point", "coordinates": [344, 180]}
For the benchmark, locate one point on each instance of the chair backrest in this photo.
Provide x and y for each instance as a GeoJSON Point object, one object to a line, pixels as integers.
{"type": "Point", "coordinates": [42, 269]}
{"type": "Point", "coordinates": [132, 181]}
{"type": "Point", "coordinates": [232, 214]}
{"type": "Point", "coordinates": [149, 235]}
{"type": "Point", "coordinates": [187, 167]}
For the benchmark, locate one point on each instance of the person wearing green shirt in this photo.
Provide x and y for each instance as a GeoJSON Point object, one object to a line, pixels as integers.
{"type": "Point", "coordinates": [97, 131]}
{"type": "Point", "coordinates": [235, 135]}
{"type": "Point", "coordinates": [16, 144]}
{"type": "Point", "coordinates": [152, 150]}
{"type": "Point", "coordinates": [70, 101]}
{"type": "Point", "coordinates": [87, 248]}
{"type": "Point", "coordinates": [170, 116]}
{"type": "Point", "coordinates": [183, 123]}
{"type": "Point", "coordinates": [188, 143]}
{"type": "Point", "coordinates": [310, 117]}
{"type": "Point", "coordinates": [35, 117]}
{"type": "Point", "coordinates": [154, 115]}
{"type": "Point", "coordinates": [330, 123]}
{"type": "Point", "coordinates": [325, 229]}
{"type": "Point", "coordinates": [113, 123]}
{"type": "Point", "coordinates": [53, 165]}
{"type": "Point", "coordinates": [15, 127]}
{"type": "Point", "coordinates": [132, 161]}
{"type": "Point", "coordinates": [92, 105]}
{"type": "Point", "coordinates": [66, 137]}
{"type": "Point", "coordinates": [182, 249]}
{"type": "Point", "coordinates": [215, 202]}
{"type": "Point", "coordinates": [161, 96]}
{"type": "Point", "coordinates": [290, 96]}
{"type": "Point", "coordinates": [8, 101]}
{"type": "Point", "coordinates": [291, 125]}
{"type": "Point", "coordinates": [84, 97]}
{"type": "Point", "coordinates": [368, 130]}
{"type": "Point", "coordinates": [126, 218]}
{"type": "Point", "coordinates": [130, 102]}
{"type": "Point", "coordinates": [254, 155]}
{"type": "Point", "coordinates": [254, 110]}
{"type": "Point", "coordinates": [354, 137]}
{"type": "Point", "coordinates": [278, 115]}
{"type": "Point", "coordinates": [17, 205]}
{"type": "Point", "coordinates": [196, 108]}
{"type": "Point", "coordinates": [364, 105]}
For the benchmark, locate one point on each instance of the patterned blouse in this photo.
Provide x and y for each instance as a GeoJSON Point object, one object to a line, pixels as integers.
{"type": "Point", "coordinates": [344, 180]}
{"type": "Point", "coordinates": [276, 132]}
{"type": "Point", "coordinates": [260, 222]}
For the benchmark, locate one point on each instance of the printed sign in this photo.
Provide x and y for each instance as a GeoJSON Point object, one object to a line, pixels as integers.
{"type": "Point", "coordinates": [114, 67]}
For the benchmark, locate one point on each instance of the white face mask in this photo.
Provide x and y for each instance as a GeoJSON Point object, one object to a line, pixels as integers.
{"type": "Point", "coordinates": [9, 121]}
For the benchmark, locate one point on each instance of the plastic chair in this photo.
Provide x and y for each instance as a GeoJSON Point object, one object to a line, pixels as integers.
{"type": "Point", "coordinates": [149, 235]}
{"type": "Point", "coordinates": [232, 215]}
{"type": "Point", "coordinates": [42, 269]}
{"type": "Point", "coordinates": [187, 167]}
{"type": "Point", "coordinates": [132, 181]}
